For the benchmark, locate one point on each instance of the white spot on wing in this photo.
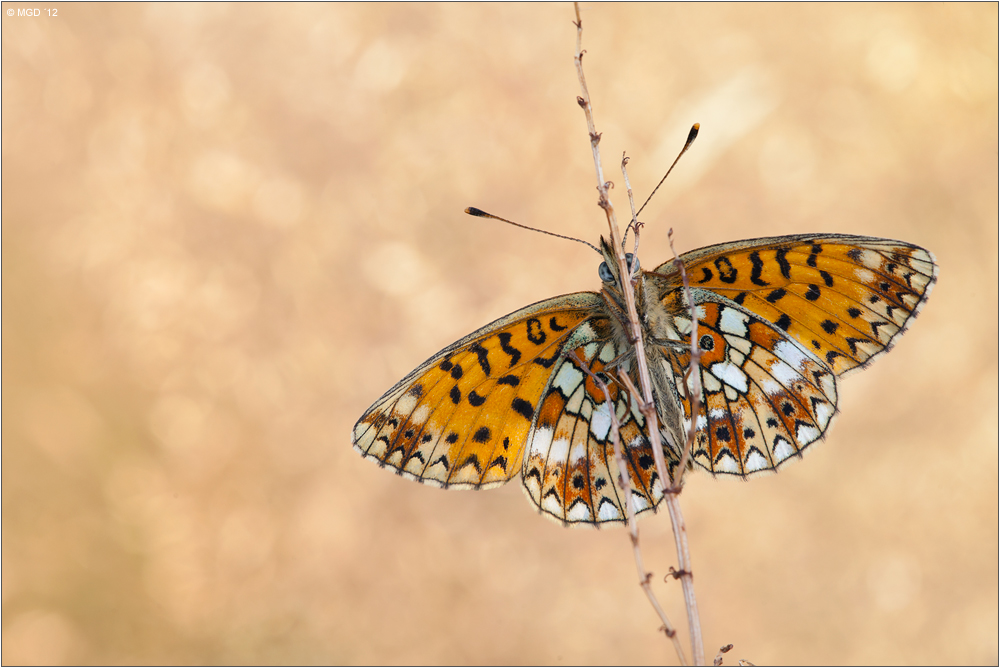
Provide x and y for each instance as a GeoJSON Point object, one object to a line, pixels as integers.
{"type": "Point", "coordinates": [568, 378]}
{"type": "Point", "coordinates": [864, 276]}
{"type": "Point", "coordinates": [578, 513]}
{"type": "Point", "coordinates": [769, 386]}
{"type": "Point", "coordinates": [639, 503]}
{"type": "Point", "coordinates": [575, 402]}
{"type": "Point", "coordinates": [727, 464]}
{"type": "Point", "coordinates": [600, 421]}
{"type": "Point", "coordinates": [579, 451]}
{"type": "Point", "coordinates": [559, 450]}
{"type": "Point", "coordinates": [785, 374]}
{"type": "Point", "coordinates": [552, 505]}
{"type": "Point", "coordinates": [731, 375]}
{"type": "Point", "coordinates": [790, 353]}
{"type": "Point", "coordinates": [608, 511]}
{"type": "Point", "coordinates": [406, 404]}
{"type": "Point", "coordinates": [824, 412]}
{"type": "Point", "coordinates": [540, 442]}
{"type": "Point", "coordinates": [806, 434]}
{"type": "Point", "coordinates": [782, 449]}
{"type": "Point", "coordinates": [755, 462]}
{"type": "Point", "coordinates": [420, 415]}
{"type": "Point", "coordinates": [739, 343]}
{"type": "Point", "coordinates": [733, 322]}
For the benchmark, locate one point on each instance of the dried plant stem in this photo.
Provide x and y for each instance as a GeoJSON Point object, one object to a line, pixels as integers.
{"type": "Point", "coordinates": [692, 377]}
{"type": "Point", "coordinates": [645, 577]}
{"type": "Point", "coordinates": [645, 399]}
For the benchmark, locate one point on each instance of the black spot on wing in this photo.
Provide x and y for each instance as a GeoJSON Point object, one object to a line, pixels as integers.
{"type": "Point", "coordinates": [482, 435]}
{"type": "Point", "coordinates": [535, 332]}
{"type": "Point", "coordinates": [483, 357]}
{"type": "Point", "coordinates": [727, 272]}
{"type": "Point", "coordinates": [755, 271]}
{"type": "Point", "coordinates": [786, 269]}
{"type": "Point", "coordinates": [475, 399]}
{"type": "Point", "coordinates": [813, 253]}
{"type": "Point", "coordinates": [473, 461]}
{"type": "Point", "coordinates": [523, 408]}
{"type": "Point", "coordinates": [515, 354]}
{"type": "Point", "coordinates": [547, 362]}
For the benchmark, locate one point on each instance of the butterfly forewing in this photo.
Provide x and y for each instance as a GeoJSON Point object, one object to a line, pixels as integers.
{"type": "Point", "coordinates": [463, 417]}
{"type": "Point", "coordinates": [844, 298]}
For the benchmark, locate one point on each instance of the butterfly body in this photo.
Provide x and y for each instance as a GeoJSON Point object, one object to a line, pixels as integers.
{"type": "Point", "coordinates": [779, 320]}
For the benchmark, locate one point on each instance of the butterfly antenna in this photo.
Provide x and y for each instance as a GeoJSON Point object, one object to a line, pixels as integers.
{"type": "Point", "coordinates": [473, 211]}
{"type": "Point", "coordinates": [692, 135]}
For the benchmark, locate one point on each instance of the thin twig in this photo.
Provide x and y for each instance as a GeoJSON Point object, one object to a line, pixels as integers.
{"type": "Point", "coordinates": [645, 576]}
{"type": "Point", "coordinates": [646, 405]}
{"type": "Point", "coordinates": [692, 376]}
{"type": "Point", "coordinates": [634, 224]}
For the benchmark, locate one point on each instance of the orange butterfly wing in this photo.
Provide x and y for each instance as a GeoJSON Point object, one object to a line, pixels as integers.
{"type": "Point", "coordinates": [843, 297]}
{"type": "Point", "coordinates": [779, 318]}
{"type": "Point", "coordinates": [462, 418]}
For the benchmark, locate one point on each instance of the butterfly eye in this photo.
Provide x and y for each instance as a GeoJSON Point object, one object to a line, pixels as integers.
{"type": "Point", "coordinates": [604, 271]}
{"type": "Point", "coordinates": [633, 263]}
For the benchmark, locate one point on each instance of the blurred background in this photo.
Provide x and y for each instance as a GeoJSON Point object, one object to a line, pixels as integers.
{"type": "Point", "coordinates": [228, 228]}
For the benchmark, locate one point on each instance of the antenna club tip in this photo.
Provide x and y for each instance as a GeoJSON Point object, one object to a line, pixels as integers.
{"type": "Point", "coordinates": [473, 211]}
{"type": "Point", "coordinates": [692, 134]}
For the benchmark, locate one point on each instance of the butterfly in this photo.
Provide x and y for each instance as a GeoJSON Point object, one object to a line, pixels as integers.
{"type": "Point", "coordinates": [779, 321]}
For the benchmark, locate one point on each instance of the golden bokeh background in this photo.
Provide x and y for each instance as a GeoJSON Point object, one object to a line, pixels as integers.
{"type": "Point", "coordinates": [228, 228]}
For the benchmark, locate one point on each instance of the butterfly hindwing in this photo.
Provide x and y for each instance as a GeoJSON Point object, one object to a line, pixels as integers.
{"type": "Point", "coordinates": [569, 471]}
{"type": "Point", "coordinates": [764, 397]}
{"type": "Point", "coordinates": [842, 297]}
{"type": "Point", "coordinates": [462, 418]}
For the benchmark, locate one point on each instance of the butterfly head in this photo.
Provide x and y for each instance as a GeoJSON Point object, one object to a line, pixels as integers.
{"type": "Point", "coordinates": [608, 270]}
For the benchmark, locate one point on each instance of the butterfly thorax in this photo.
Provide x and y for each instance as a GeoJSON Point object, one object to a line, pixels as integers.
{"type": "Point", "coordinates": [665, 323]}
